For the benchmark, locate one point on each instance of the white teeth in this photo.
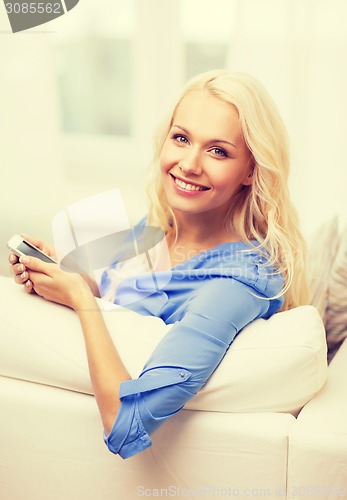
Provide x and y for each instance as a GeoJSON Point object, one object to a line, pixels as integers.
{"type": "Point", "coordinates": [188, 187]}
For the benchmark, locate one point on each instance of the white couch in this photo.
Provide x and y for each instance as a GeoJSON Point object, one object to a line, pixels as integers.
{"type": "Point", "coordinates": [242, 435]}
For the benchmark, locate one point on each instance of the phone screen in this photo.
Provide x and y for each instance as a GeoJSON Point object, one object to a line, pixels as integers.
{"type": "Point", "coordinates": [31, 251]}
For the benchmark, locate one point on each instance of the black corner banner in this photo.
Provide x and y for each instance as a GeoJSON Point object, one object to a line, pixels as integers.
{"type": "Point", "coordinates": [70, 4]}
{"type": "Point", "coordinates": [27, 14]}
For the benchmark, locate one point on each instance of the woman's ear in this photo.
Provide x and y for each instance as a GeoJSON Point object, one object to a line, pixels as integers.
{"type": "Point", "coordinates": [249, 177]}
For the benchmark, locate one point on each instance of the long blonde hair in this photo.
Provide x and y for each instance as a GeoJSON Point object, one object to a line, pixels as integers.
{"type": "Point", "coordinates": [262, 211]}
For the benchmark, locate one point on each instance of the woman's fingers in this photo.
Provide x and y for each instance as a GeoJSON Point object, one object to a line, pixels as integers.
{"type": "Point", "coordinates": [38, 265]}
{"type": "Point", "coordinates": [21, 278]}
{"type": "Point", "coordinates": [28, 287]}
{"type": "Point", "coordinates": [21, 275]}
{"type": "Point", "coordinates": [19, 272]}
{"type": "Point", "coordinates": [13, 258]}
{"type": "Point", "coordinates": [17, 269]}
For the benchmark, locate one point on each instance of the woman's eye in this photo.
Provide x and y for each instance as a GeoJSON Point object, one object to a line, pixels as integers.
{"type": "Point", "coordinates": [219, 152]}
{"type": "Point", "coordinates": [180, 138]}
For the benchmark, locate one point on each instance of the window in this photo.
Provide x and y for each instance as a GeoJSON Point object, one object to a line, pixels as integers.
{"type": "Point", "coordinates": [207, 29]}
{"type": "Point", "coordinates": [94, 71]}
{"type": "Point", "coordinates": [94, 86]}
{"type": "Point", "coordinates": [112, 75]}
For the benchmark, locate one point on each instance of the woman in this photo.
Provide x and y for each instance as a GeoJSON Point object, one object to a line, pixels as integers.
{"type": "Point", "coordinates": [219, 192]}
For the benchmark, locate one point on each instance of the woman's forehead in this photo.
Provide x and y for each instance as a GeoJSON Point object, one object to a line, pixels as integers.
{"type": "Point", "coordinates": [201, 112]}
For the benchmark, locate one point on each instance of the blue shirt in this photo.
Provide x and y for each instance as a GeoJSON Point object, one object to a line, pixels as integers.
{"type": "Point", "coordinates": [209, 298]}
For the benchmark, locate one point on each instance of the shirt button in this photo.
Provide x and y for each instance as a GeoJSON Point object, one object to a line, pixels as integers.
{"type": "Point", "coordinates": [182, 374]}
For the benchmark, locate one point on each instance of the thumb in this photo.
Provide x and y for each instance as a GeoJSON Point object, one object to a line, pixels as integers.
{"type": "Point", "coordinates": [34, 241]}
{"type": "Point", "coordinates": [35, 264]}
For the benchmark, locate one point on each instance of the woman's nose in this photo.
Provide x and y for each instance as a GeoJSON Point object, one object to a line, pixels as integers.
{"type": "Point", "coordinates": [191, 164]}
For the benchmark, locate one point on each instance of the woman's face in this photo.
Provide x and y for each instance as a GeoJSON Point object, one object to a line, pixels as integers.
{"type": "Point", "coordinates": [204, 159]}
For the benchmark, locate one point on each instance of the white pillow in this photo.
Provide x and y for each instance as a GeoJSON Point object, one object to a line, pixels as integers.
{"type": "Point", "coordinates": [336, 311]}
{"type": "Point", "coordinates": [321, 257]}
{"type": "Point", "coordinates": [275, 365]}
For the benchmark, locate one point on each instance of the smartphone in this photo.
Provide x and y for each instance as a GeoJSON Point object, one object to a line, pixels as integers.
{"type": "Point", "coordinates": [19, 246]}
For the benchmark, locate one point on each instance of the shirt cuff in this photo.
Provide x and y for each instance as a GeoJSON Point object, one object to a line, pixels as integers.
{"type": "Point", "coordinates": [128, 417]}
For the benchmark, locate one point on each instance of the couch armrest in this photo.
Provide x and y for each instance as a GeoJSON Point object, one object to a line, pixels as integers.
{"type": "Point", "coordinates": [52, 448]}
{"type": "Point", "coordinates": [328, 409]}
{"type": "Point", "coordinates": [318, 441]}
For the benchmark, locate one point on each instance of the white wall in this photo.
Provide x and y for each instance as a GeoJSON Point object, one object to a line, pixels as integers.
{"type": "Point", "coordinates": [304, 69]}
{"type": "Point", "coordinates": [32, 183]}
{"type": "Point", "coordinates": [298, 49]}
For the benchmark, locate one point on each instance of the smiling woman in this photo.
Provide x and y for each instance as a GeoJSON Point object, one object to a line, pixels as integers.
{"type": "Point", "coordinates": [226, 135]}
{"type": "Point", "coordinates": [231, 253]}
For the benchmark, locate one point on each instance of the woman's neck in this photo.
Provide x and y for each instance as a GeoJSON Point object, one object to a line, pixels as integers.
{"type": "Point", "coordinates": [200, 232]}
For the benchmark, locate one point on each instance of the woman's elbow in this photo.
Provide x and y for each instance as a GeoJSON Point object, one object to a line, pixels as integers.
{"type": "Point", "coordinates": [108, 413]}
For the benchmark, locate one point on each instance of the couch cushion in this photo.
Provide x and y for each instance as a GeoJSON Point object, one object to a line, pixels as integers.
{"type": "Point", "coordinates": [322, 254]}
{"type": "Point", "coordinates": [336, 311]}
{"type": "Point", "coordinates": [274, 365]}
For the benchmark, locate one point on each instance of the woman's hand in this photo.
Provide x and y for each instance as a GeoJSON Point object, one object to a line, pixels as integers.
{"type": "Point", "coordinates": [18, 269]}
{"type": "Point", "coordinates": [21, 275]}
{"type": "Point", "coordinates": [55, 285]}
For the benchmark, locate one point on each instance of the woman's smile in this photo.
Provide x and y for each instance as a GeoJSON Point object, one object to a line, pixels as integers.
{"type": "Point", "coordinates": [187, 187]}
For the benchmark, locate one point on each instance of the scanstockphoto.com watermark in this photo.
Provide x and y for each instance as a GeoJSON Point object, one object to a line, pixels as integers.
{"type": "Point", "coordinates": [24, 15]}
{"type": "Point", "coordinates": [211, 491]}
{"type": "Point", "coordinates": [174, 491]}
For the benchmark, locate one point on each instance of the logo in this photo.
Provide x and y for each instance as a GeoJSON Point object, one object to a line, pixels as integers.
{"type": "Point", "coordinates": [94, 235]}
{"type": "Point", "coordinates": [25, 15]}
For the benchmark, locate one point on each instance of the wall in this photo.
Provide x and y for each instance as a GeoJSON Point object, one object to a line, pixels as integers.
{"type": "Point", "coordinates": [303, 67]}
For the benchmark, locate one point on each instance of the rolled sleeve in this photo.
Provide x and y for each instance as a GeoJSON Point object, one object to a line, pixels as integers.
{"type": "Point", "coordinates": [129, 434]}
{"type": "Point", "coordinates": [182, 362]}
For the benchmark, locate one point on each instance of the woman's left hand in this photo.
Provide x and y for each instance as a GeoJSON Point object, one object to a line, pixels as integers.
{"type": "Point", "coordinates": [55, 285]}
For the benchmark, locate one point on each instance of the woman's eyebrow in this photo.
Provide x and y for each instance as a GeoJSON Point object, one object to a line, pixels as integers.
{"type": "Point", "coordinates": [212, 140]}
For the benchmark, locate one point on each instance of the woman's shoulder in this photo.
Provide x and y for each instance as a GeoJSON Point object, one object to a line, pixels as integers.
{"type": "Point", "coordinates": [226, 256]}
{"type": "Point", "coordinates": [244, 262]}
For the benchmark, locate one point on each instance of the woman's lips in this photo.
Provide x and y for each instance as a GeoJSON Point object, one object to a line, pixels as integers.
{"type": "Point", "coordinates": [187, 186]}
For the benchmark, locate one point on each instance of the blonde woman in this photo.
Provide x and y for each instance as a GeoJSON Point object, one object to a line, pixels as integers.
{"type": "Point", "coordinates": [219, 192]}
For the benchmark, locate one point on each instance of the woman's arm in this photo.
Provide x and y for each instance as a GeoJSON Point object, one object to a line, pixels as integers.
{"type": "Point", "coordinates": [180, 365]}
{"type": "Point", "coordinates": [105, 366]}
